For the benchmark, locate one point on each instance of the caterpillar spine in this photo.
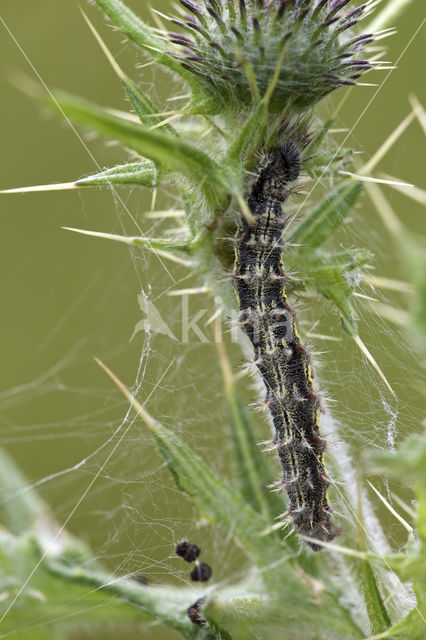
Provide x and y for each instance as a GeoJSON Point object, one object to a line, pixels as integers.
{"type": "Point", "coordinates": [279, 353]}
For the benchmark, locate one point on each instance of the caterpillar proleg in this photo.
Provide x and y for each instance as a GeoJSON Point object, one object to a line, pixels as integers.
{"type": "Point", "coordinates": [279, 353]}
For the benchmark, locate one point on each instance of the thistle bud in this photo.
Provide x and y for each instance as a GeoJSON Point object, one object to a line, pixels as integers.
{"type": "Point", "coordinates": [237, 48]}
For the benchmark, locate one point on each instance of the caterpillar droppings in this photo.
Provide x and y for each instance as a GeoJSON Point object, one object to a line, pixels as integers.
{"type": "Point", "coordinates": [279, 353]}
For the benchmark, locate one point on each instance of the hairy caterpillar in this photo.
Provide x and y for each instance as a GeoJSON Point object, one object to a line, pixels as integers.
{"type": "Point", "coordinates": [279, 354]}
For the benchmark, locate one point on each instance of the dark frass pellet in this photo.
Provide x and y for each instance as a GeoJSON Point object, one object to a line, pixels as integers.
{"type": "Point", "coordinates": [194, 613]}
{"type": "Point", "coordinates": [201, 572]}
{"type": "Point", "coordinates": [189, 552]}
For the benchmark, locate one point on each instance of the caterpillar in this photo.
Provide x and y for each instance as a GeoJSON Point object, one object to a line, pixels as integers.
{"type": "Point", "coordinates": [279, 353]}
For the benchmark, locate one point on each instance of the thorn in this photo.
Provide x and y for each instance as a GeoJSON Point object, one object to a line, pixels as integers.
{"type": "Point", "coordinates": [272, 528]}
{"type": "Point", "coordinates": [363, 178]}
{"type": "Point", "coordinates": [150, 422]}
{"type": "Point", "coordinates": [177, 116]}
{"type": "Point", "coordinates": [389, 284]}
{"type": "Point", "coordinates": [364, 296]}
{"type": "Point", "coordinates": [99, 234]}
{"type": "Point", "coordinates": [105, 49]}
{"type": "Point", "coordinates": [414, 193]}
{"type": "Point", "coordinates": [391, 509]}
{"type": "Point", "coordinates": [43, 187]}
{"type": "Point", "coordinates": [168, 213]}
{"type": "Point", "coordinates": [399, 317]}
{"type": "Point", "coordinates": [125, 115]}
{"type": "Point", "coordinates": [162, 15]}
{"type": "Point", "coordinates": [171, 257]}
{"type": "Point", "coordinates": [370, 358]}
{"type": "Point", "coordinates": [216, 315]}
{"type": "Point", "coordinates": [320, 336]}
{"type": "Point", "coordinates": [189, 292]}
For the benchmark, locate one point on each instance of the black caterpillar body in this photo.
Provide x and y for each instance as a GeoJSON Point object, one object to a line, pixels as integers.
{"type": "Point", "coordinates": [279, 354]}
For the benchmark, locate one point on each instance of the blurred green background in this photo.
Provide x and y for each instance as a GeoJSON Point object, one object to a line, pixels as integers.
{"type": "Point", "coordinates": [67, 298]}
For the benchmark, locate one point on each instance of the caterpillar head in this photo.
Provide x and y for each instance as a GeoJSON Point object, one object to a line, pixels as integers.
{"type": "Point", "coordinates": [279, 167]}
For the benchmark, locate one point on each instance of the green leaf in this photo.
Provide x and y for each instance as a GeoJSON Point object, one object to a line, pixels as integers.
{"type": "Point", "coordinates": [142, 35]}
{"type": "Point", "coordinates": [143, 174]}
{"type": "Point", "coordinates": [171, 153]}
{"type": "Point", "coordinates": [323, 220]}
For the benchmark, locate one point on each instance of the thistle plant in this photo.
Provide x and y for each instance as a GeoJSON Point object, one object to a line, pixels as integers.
{"type": "Point", "coordinates": [255, 72]}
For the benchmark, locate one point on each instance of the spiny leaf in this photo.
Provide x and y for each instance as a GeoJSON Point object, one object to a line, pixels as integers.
{"type": "Point", "coordinates": [327, 163]}
{"type": "Point", "coordinates": [143, 174]}
{"type": "Point", "coordinates": [170, 153]}
{"type": "Point", "coordinates": [327, 216]}
{"type": "Point", "coordinates": [138, 241]}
